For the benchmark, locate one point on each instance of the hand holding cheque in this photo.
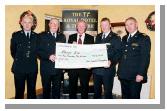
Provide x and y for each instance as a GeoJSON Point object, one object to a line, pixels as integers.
{"type": "Point", "coordinates": [52, 58]}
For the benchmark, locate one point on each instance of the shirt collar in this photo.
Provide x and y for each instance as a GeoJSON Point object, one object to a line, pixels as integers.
{"type": "Point", "coordinates": [83, 35]}
{"type": "Point", "coordinates": [106, 34]}
{"type": "Point", "coordinates": [132, 34]}
{"type": "Point", "coordinates": [55, 34]}
{"type": "Point", "coordinates": [27, 32]}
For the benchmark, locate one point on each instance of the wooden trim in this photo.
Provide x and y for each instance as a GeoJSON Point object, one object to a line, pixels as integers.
{"type": "Point", "coordinates": [117, 24]}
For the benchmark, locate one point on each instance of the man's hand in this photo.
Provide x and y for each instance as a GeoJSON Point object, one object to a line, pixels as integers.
{"type": "Point", "coordinates": [139, 78]}
{"type": "Point", "coordinates": [109, 64]}
{"type": "Point", "coordinates": [52, 58]}
{"type": "Point", "coordinates": [74, 42]}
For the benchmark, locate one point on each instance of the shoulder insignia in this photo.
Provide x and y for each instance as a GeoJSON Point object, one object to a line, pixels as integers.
{"type": "Point", "coordinates": [22, 32]}
{"type": "Point", "coordinates": [144, 34]}
{"type": "Point", "coordinates": [15, 31]}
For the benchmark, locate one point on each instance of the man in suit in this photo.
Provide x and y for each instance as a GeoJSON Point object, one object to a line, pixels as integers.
{"type": "Point", "coordinates": [132, 70]}
{"type": "Point", "coordinates": [105, 75]}
{"type": "Point", "coordinates": [80, 38]}
{"type": "Point", "coordinates": [51, 77]}
{"type": "Point", "coordinates": [24, 52]}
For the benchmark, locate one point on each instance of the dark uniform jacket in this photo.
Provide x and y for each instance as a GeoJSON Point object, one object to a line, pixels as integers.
{"type": "Point", "coordinates": [47, 46]}
{"type": "Point", "coordinates": [24, 52]}
{"type": "Point", "coordinates": [135, 57]}
{"type": "Point", "coordinates": [113, 42]}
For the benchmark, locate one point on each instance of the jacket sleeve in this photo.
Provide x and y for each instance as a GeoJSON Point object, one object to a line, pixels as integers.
{"type": "Point", "coordinates": [70, 39]}
{"type": "Point", "coordinates": [42, 50]}
{"type": "Point", "coordinates": [63, 38]}
{"type": "Point", "coordinates": [145, 55]}
{"type": "Point", "coordinates": [92, 40]}
{"type": "Point", "coordinates": [114, 51]}
{"type": "Point", "coordinates": [13, 46]}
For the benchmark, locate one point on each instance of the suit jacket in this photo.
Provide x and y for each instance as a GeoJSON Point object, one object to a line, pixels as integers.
{"type": "Point", "coordinates": [113, 42]}
{"type": "Point", "coordinates": [47, 46]}
{"type": "Point", "coordinates": [135, 57]}
{"type": "Point", "coordinates": [88, 39]}
{"type": "Point", "coordinates": [24, 52]}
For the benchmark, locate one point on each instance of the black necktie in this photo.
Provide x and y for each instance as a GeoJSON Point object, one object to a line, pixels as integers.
{"type": "Point", "coordinates": [28, 35]}
{"type": "Point", "coordinates": [103, 37]}
{"type": "Point", "coordinates": [54, 35]}
{"type": "Point", "coordinates": [129, 38]}
{"type": "Point", "coordinates": [79, 40]}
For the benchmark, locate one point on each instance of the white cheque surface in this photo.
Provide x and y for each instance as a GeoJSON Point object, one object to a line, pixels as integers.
{"type": "Point", "coordinates": [71, 56]}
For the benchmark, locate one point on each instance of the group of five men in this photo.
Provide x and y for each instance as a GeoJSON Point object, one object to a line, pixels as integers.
{"type": "Point", "coordinates": [132, 54]}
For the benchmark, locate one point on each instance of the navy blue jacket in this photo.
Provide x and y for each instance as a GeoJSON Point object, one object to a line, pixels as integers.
{"type": "Point", "coordinates": [135, 57]}
{"type": "Point", "coordinates": [113, 42]}
{"type": "Point", "coordinates": [24, 52]}
{"type": "Point", "coordinates": [47, 46]}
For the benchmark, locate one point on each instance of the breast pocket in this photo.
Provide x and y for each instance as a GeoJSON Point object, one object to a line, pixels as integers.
{"type": "Point", "coordinates": [135, 50]}
{"type": "Point", "coordinates": [20, 47]}
{"type": "Point", "coordinates": [135, 46]}
{"type": "Point", "coordinates": [19, 51]}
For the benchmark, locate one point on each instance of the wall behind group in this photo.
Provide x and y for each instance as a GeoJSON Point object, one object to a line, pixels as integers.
{"type": "Point", "coordinates": [116, 13]}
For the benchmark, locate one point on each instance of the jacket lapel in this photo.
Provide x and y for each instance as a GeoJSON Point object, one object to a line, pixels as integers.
{"type": "Point", "coordinates": [107, 39]}
{"type": "Point", "coordinates": [135, 37]}
{"type": "Point", "coordinates": [85, 39]}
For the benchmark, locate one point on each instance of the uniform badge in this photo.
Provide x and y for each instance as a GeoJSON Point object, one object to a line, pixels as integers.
{"type": "Point", "coordinates": [135, 44]}
{"type": "Point", "coordinates": [144, 34]}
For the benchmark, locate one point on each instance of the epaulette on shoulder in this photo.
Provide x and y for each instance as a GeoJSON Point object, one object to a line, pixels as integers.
{"type": "Point", "coordinates": [145, 35]}
{"type": "Point", "coordinates": [42, 32]}
{"type": "Point", "coordinates": [100, 34]}
{"type": "Point", "coordinates": [60, 32]}
{"type": "Point", "coordinates": [15, 31]}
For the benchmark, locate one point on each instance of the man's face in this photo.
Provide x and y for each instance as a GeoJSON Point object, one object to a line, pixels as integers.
{"type": "Point", "coordinates": [105, 26]}
{"type": "Point", "coordinates": [27, 23]}
{"type": "Point", "coordinates": [81, 27]}
{"type": "Point", "coordinates": [131, 25]}
{"type": "Point", "coordinates": [54, 25]}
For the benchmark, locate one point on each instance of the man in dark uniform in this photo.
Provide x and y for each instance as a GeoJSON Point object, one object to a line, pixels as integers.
{"type": "Point", "coordinates": [24, 52]}
{"type": "Point", "coordinates": [51, 77]}
{"type": "Point", "coordinates": [105, 75]}
{"type": "Point", "coordinates": [132, 70]}
{"type": "Point", "coordinates": [83, 74]}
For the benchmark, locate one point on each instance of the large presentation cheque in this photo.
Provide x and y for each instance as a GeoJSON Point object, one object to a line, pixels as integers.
{"type": "Point", "coordinates": [71, 56]}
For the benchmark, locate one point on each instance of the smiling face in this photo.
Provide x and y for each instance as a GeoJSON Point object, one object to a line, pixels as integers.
{"type": "Point", "coordinates": [27, 23]}
{"type": "Point", "coordinates": [131, 25]}
{"type": "Point", "coordinates": [54, 25]}
{"type": "Point", "coordinates": [81, 27]}
{"type": "Point", "coordinates": [105, 26]}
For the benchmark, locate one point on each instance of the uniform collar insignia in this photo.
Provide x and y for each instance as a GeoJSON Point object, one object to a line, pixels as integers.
{"type": "Point", "coordinates": [144, 34]}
